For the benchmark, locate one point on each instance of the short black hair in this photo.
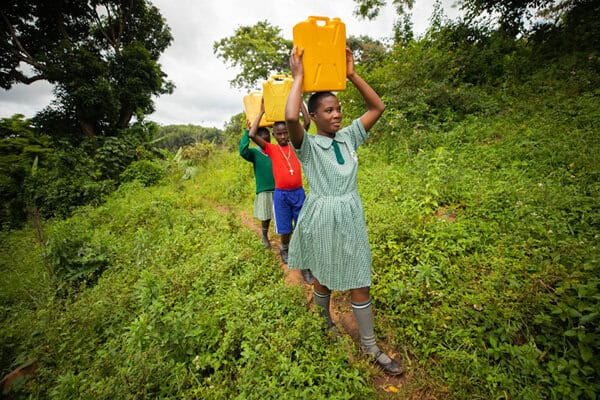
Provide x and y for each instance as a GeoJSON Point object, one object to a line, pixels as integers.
{"type": "Point", "coordinates": [262, 131]}
{"type": "Point", "coordinates": [279, 123]}
{"type": "Point", "coordinates": [315, 99]}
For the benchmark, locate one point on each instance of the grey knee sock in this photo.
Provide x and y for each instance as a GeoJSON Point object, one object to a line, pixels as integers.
{"type": "Point", "coordinates": [265, 233]}
{"type": "Point", "coordinates": [363, 313]}
{"type": "Point", "coordinates": [322, 300]}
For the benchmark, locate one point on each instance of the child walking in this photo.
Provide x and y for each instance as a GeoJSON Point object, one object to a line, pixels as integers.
{"type": "Point", "coordinates": [263, 175]}
{"type": "Point", "coordinates": [289, 195]}
{"type": "Point", "coordinates": [331, 236]}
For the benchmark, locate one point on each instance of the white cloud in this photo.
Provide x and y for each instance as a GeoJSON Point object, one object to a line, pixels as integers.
{"type": "Point", "coordinates": [202, 95]}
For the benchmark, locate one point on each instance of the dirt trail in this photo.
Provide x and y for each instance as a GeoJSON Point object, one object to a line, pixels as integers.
{"type": "Point", "coordinates": [341, 311]}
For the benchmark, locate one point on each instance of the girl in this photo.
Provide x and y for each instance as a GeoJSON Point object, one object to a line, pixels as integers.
{"type": "Point", "coordinates": [331, 236]}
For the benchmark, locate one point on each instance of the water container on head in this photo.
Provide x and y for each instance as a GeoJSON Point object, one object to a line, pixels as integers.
{"type": "Point", "coordinates": [324, 44]}
{"type": "Point", "coordinates": [252, 107]}
{"type": "Point", "coordinates": [276, 90]}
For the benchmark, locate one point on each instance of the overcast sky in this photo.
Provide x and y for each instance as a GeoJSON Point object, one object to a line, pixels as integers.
{"type": "Point", "coordinates": [202, 95]}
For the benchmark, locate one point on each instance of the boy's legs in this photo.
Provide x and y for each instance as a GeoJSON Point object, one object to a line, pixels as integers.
{"type": "Point", "coordinates": [283, 221]}
{"type": "Point", "coordinates": [295, 201]}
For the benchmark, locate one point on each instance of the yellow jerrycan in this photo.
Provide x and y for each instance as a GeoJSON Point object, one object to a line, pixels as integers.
{"type": "Point", "coordinates": [252, 107]}
{"type": "Point", "coordinates": [324, 43]}
{"type": "Point", "coordinates": [276, 90]}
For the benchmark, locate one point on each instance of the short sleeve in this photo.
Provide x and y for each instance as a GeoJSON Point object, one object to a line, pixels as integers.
{"type": "Point", "coordinates": [303, 152]}
{"type": "Point", "coordinates": [357, 133]}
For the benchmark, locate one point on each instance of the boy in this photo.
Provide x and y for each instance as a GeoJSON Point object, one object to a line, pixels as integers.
{"type": "Point", "coordinates": [263, 175]}
{"type": "Point", "coordinates": [288, 197]}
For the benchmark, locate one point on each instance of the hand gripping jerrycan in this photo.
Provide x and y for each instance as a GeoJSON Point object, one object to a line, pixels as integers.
{"type": "Point", "coordinates": [252, 107]}
{"type": "Point", "coordinates": [324, 43]}
{"type": "Point", "coordinates": [276, 90]}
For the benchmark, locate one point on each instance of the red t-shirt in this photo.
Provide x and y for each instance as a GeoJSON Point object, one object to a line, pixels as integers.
{"type": "Point", "coordinates": [286, 167]}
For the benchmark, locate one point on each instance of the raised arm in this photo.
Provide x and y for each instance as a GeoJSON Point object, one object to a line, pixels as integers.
{"type": "Point", "coordinates": [294, 101]}
{"type": "Point", "coordinates": [254, 128]}
{"type": "Point", "coordinates": [305, 116]}
{"type": "Point", "coordinates": [375, 106]}
{"type": "Point", "coordinates": [245, 144]}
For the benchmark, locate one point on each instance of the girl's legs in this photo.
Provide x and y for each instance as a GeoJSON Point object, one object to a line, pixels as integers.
{"type": "Point", "coordinates": [363, 313]}
{"type": "Point", "coordinates": [322, 296]}
{"type": "Point", "coordinates": [265, 233]}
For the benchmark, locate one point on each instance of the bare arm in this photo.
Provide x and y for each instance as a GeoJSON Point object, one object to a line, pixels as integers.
{"type": "Point", "coordinates": [375, 106]}
{"type": "Point", "coordinates": [305, 116]}
{"type": "Point", "coordinates": [254, 128]}
{"type": "Point", "coordinates": [294, 101]}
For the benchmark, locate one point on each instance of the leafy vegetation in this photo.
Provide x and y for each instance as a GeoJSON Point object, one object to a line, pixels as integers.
{"type": "Point", "coordinates": [173, 137]}
{"type": "Point", "coordinates": [188, 305]}
{"type": "Point", "coordinates": [480, 187]}
{"type": "Point", "coordinates": [102, 58]}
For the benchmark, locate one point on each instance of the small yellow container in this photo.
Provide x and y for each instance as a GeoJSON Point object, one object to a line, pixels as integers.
{"type": "Point", "coordinates": [324, 43]}
{"type": "Point", "coordinates": [252, 107]}
{"type": "Point", "coordinates": [276, 90]}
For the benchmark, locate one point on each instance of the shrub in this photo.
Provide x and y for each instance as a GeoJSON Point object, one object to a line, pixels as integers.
{"type": "Point", "coordinates": [146, 171]}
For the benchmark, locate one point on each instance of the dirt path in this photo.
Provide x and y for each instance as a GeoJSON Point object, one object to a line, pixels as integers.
{"type": "Point", "coordinates": [341, 311]}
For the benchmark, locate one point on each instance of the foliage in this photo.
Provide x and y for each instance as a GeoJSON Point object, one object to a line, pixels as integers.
{"type": "Point", "coordinates": [70, 180]}
{"type": "Point", "coordinates": [145, 171]}
{"type": "Point", "coordinates": [489, 269]}
{"type": "Point", "coordinates": [20, 148]}
{"type": "Point", "coordinates": [512, 16]}
{"type": "Point", "coordinates": [101, 57]}
{"type": "Point", "coordinates": [75, 255]}
{"type": "Point", "coordinates": [198, 152]}
{"type": "Point", "coordinates": [233, 130]}
{"type": "Point", "coordinates": [188, 307]}
{"type": "Point", "coordinates": [481, 194]}
{"type": "Point", "coordinates": [366, 51]}
{"type": "Point", "coordinates": [576, 32]}
{"type": "Point", "coordinates": [259, 50]}
{"type": "Point", "coordinates": [73, 176]}
{"type": "Point", "coordinates": [370, 8]}
{"type": "Point", "coordinates": [173, 137]}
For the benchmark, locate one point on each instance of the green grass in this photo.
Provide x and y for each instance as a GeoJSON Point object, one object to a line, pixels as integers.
{"type": "Point", "coordinates": [485, 262]}
{"type": "Point", "coordinates": [190, 306]}
{"type": "Point", "coordinates": [485, 250]}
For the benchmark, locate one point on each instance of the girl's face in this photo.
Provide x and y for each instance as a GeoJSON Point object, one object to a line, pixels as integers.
{"type": "Point", "coordinates": [328, 116]}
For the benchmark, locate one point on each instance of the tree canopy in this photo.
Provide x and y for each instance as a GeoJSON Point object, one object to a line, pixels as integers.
{"type": "Point", "coordinates": [511, 15]}
{"type": "Point", "coordinates": [102, 57]}
{"type": "Point", "coordinates": [259, 50]}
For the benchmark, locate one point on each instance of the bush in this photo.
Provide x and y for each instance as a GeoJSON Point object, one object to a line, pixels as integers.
{"type": "Point", "coordinates": [146, 171]}
{"type": "Point", "coordinates": [75, 255]}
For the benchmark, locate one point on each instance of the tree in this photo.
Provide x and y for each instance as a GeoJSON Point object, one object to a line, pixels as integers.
{"type": "Point", "coordinates": [232, 131]}
{"type": "Point", "coordinates": [511, 15]}
{"type": "Point", "coordinates": [101, 55]}
{"type": "Point", "coordinates": [259, 50]}
{"type": "Point", "coordinates": [20, 149]}
{"type": "Point", "coordinates": [367, 51]}
{"type": "Point", "coordinates": [370, 8]}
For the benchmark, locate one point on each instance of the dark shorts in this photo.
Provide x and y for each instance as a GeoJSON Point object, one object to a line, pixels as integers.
{"type": "Point", "coordinates": [287, 205]}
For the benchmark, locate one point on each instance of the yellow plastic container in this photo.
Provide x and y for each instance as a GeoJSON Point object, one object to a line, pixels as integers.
{"type": "Point", "coordinates": [324, 43]}
{"type": "Point", "coordinates": [252, 107]}
{"type": "Point", "coordinates": [276, 90]}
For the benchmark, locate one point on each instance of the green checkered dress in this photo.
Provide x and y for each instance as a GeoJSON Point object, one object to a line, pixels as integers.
{"type": "Point", "coordinates": [331, 238]}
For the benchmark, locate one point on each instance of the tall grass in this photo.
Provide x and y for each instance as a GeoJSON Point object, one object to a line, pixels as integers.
{"type": "Point", "coordinates": [189, 305]}
{"type": "Point", "coordinates": [484, 234]}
